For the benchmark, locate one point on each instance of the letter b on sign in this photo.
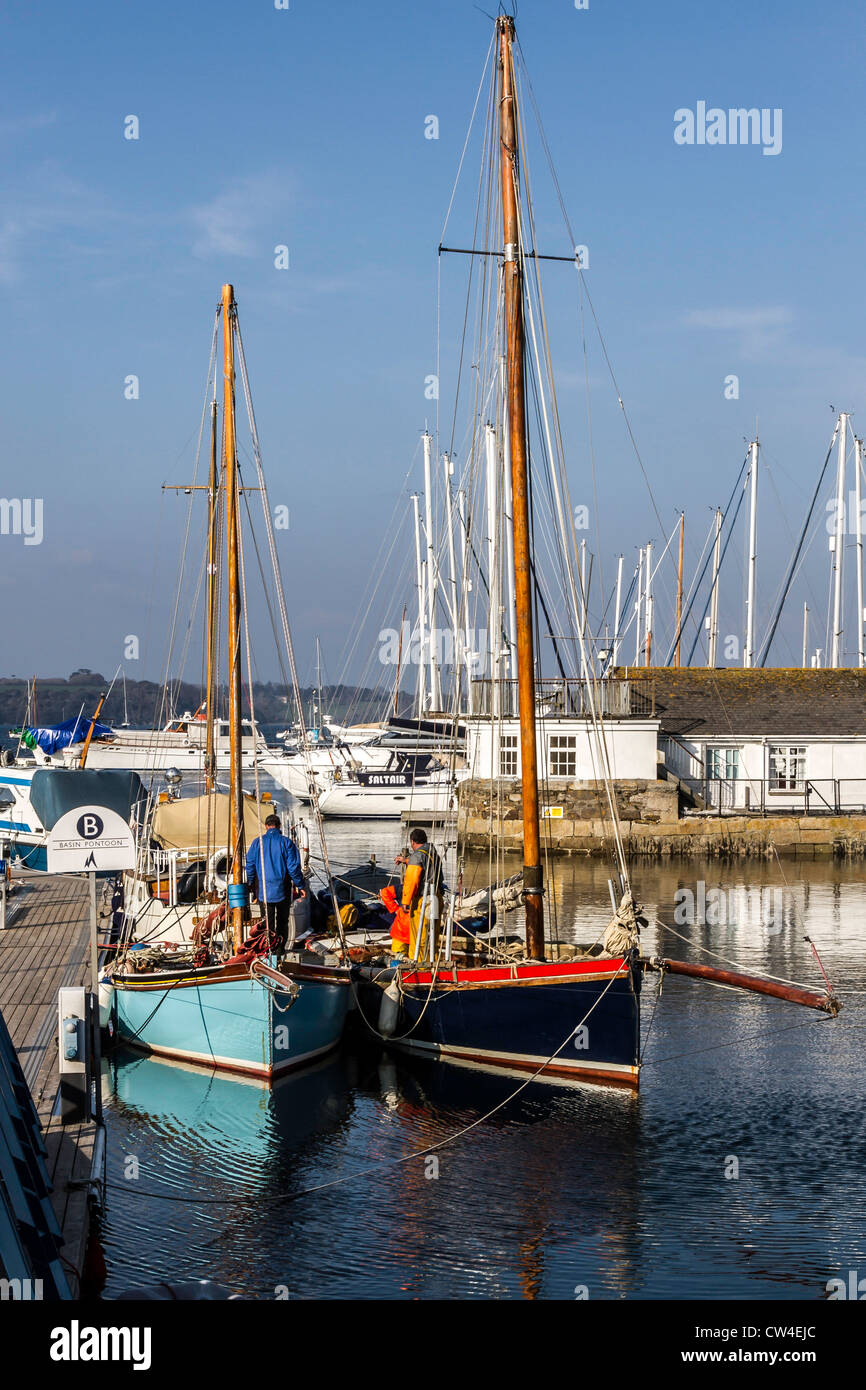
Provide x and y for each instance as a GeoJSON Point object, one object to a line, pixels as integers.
{"type": "Point", "coordinates": [89, 826]}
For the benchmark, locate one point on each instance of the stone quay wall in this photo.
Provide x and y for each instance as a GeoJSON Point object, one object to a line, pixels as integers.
{"type": "Point", "coordinates": [653, 824]}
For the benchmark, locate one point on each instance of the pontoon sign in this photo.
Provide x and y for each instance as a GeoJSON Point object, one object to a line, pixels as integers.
{"type": "Point", "coordinates": [90, 838]}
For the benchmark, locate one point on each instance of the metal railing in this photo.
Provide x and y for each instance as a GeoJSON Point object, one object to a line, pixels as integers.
{"type": "Point", "coordinates": [566, 697]}
{"type": "Point", "coordinates": [755, 796]}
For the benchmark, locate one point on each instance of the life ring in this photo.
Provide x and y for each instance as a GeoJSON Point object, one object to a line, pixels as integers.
{"type": "Point", "coordinates": [219, 860]}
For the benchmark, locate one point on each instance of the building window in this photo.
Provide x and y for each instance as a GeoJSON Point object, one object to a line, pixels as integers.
{"type": "Point", "coordinates": [787, 769]}
{"type": "Point", "coordinates": [508, 745]}
{"type": "Point", "coordinates": [562, 755]}
{"type": "Point", "coordinates": [723, 764]}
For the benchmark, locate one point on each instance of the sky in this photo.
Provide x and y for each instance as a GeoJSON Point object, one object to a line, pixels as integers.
{"type": "Point", "coordinates": [306, 127]}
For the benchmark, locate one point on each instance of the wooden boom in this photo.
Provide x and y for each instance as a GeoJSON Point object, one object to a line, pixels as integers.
{"type": "Point", "coordinates": [756, 983]}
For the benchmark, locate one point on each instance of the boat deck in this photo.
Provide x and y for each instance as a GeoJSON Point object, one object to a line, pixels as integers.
{"type": "Point", "coordinates": [46, 945]}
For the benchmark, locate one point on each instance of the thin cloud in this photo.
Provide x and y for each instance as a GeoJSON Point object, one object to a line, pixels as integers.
{"type": "Point", "coordinates": [758, 331]}
{"type": "Point", "coordinates": [49, 203]}
{"type": "Point", "coordinates": [246, 215]}
{"type": "Point", "coordinates": [19, 125]}
{"type": "Point", "coordinates": [740, 320]}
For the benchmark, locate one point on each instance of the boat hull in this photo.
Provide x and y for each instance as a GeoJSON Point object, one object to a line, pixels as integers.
{"type": "Point", "coordinates": [232, 1020]}
{"type": "Point", "coordinates": [144, 758]}
{"type": "Point", "coordinates": [524, 1017]}
{"type": "Point", "coordinates": [350, 801]}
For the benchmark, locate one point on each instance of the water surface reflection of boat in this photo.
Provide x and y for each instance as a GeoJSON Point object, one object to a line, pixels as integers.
{"type": "Point", "coordinates": [539, 1193]}
{"type": "Point", "coordinates": [227, 1124]}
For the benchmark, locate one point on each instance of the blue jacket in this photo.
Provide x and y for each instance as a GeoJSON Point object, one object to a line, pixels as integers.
{"type": "Point", "coordinates": [279, 857]}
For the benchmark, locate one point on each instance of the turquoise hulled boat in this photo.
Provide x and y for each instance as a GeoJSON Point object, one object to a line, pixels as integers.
{"type": "Point", "coordinates": [224, 993]}
{"type": "Point", "coordinates": [255, 1020]}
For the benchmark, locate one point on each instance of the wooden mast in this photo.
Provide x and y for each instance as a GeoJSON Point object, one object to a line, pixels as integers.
{"type": "Point", "coordinates": [516, 399]}
{"type": "Point", "coordinates": [235, 915]}
{"type": "Point", "coordinates": [212, 497]}
{"type": "Point", "coordinates": [87, 741]}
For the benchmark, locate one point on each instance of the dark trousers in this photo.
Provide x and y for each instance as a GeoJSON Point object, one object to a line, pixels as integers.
{"type": "Point", "coordinates": [278, 921]}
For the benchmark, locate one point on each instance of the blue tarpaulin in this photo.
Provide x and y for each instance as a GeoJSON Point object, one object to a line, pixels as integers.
{"type": "Point", "coordinates": [52, 737]}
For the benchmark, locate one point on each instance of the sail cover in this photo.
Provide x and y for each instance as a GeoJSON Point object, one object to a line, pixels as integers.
{"type": "Point", "coordinates": [52, 737]}
{"type": "Point", "coordinates": [56, 790]}
{"type": "Point", "coordinates": [200, 824]}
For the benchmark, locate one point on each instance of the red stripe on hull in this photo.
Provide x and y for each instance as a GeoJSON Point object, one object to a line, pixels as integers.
{"type": "Point", "coordinates": [560, 971]}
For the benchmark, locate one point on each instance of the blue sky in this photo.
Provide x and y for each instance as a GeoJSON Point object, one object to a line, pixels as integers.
{"type": "Point", "coordinates": [305, 127]}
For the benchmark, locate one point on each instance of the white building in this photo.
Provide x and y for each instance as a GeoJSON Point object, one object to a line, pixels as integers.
{"type": "Point", "coordinates": [757, 741]}
{"type": "Point", "coordinates": [566, 739]}
{"type": "Point", "coordinates": [766, 741]}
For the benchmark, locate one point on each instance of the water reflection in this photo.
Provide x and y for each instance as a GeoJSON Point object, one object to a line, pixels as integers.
{"type": "Point", "coordinates": [491, 1201]}
{"type": "Point", "coordinates": [559, 1190]}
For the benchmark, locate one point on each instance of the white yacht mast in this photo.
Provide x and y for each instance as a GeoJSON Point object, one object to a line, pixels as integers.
{"type": "Point", "coordinates": [839, 541]}
{"type": "Point", "coordinates": [452, 575]}
{"type": "Point", "coordinates": [638, 610]}
{"type": "Point", "coordinates": [583, 601]}
{"type": "Point", "coordinates": [714, 600]}
{"type": "Point", "coordinates": [493, 606]}
{"type": "Point", "coordinates": [615, 650]}
{"type": "Point", "coordinates": [464, 598]}
{"type": "Point", "coordinates": [435, 689]}
{"type": "Point", "coordinates": [858, 464]}
{"type": "Point", "coordinates": [422, 624]}
{"type": "Point", "coordinates": [805, 633]}
{"type": "Point", "coordinates": [648, 619]}
{"type": "Point", "coordinates": [749, 652]}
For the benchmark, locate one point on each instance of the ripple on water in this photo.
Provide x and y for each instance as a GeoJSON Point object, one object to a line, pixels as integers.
{"type": "Point", "coordinates": [563, 1189]}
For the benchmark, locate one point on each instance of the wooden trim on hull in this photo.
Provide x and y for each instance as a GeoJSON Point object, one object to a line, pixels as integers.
{"type": "Point", "coordinates": [604, 1072]}
{"type": "Point", "coordinates": [180, 979]}
{"type": "Point", "coordinates": [210, 1063]}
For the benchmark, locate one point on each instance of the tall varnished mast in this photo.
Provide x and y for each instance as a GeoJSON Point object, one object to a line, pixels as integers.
{"type": "Point", "coordinates": [516, 400]}
{"type": "Point", "coordinates": [236, 806]}
{"type": "Point", "coordinates": [213, 513]}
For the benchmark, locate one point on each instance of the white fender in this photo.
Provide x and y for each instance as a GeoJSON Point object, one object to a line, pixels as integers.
{"type": "Point", "coordinates": [105, 995]}
{"type": "Point", "coordinates": [218, 881]}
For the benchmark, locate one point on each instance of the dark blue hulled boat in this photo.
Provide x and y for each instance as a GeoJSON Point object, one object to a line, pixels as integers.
{"type": "Point", "coordinates": [577, 1019]}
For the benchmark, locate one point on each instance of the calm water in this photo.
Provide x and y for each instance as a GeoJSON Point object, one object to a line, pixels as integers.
{"type": "Point", "coordinates": [564, 1188]}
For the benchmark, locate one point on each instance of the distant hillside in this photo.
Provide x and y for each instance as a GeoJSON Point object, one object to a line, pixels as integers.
{"type": "Point", "coordinates": [58, 698]}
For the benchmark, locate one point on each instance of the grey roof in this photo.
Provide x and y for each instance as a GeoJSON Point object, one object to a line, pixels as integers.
{"type": "Point", "coordinates": [695, 702]}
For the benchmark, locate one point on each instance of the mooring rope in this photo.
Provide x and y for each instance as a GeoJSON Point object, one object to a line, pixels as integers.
{"type": "Point", "coordinates": [394, 1162]}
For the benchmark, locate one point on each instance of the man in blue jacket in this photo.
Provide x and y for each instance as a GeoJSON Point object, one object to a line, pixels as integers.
{"type": "Point", "coordinates": [273, 865]}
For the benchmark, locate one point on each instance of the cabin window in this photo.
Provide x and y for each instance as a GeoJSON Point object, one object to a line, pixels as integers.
{"type": "Point", "coordinates": [562, 755]}
{"type": "Point", "coordinates": [787, 769]}
{"type": "Point", "coordinates": [723, 764]}
{"type": "Point", "coordinates": [508, 755]}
